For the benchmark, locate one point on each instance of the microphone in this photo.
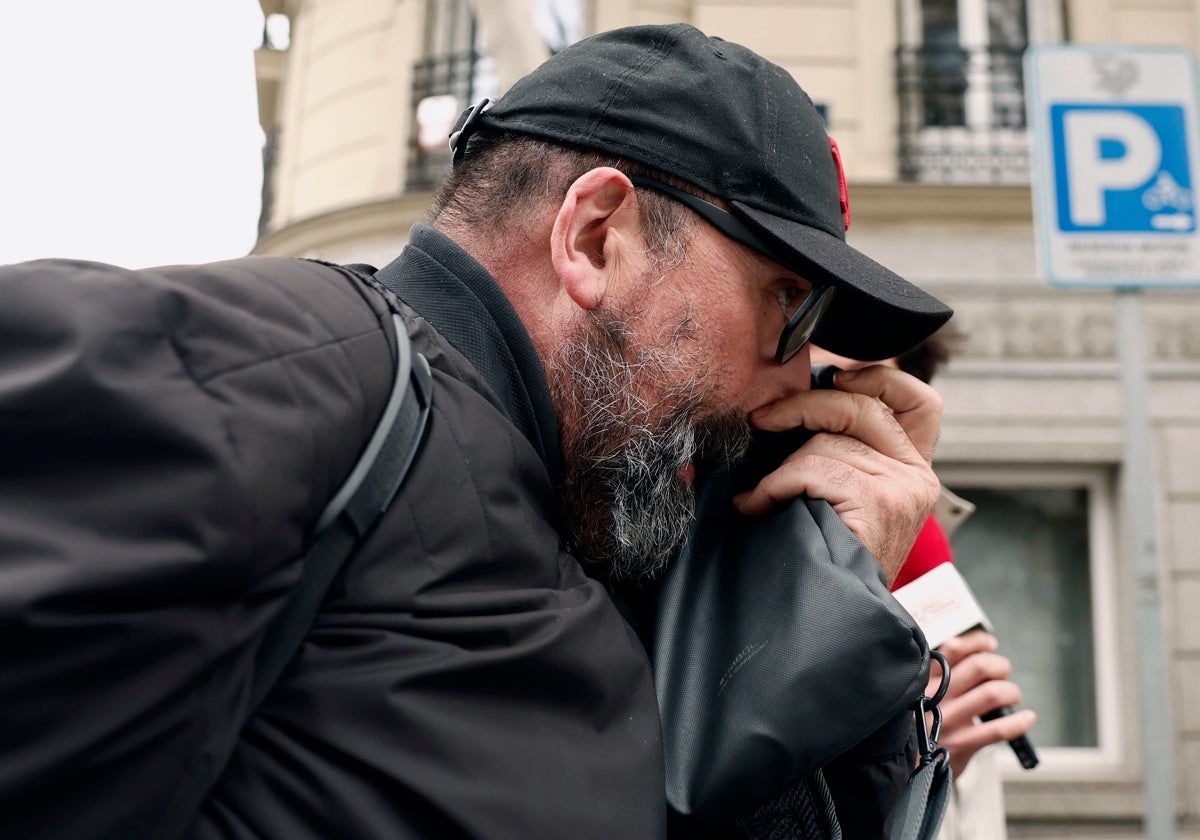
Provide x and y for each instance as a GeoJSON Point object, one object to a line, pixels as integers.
{"type": "Point", "coordinates": [944, 607]}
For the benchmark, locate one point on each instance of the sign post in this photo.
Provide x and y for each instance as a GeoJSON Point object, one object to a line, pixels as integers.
{"type": "Point", "coordinates": [1116, 153]}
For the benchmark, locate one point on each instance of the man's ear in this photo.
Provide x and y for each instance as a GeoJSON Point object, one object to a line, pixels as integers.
{"type": "Point", "coordinates": [597, 234]}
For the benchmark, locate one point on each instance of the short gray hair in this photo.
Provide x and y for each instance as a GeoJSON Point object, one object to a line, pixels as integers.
{"type": "Point", "coordinates": [505, 179]}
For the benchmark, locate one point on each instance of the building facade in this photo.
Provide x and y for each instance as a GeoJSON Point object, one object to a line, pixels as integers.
{"type": "Point", "coordinates": [926, 99]}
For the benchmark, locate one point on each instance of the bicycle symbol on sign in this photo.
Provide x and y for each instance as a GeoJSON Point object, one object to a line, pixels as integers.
{"type": "Point", "coordinates": [1167, 194]}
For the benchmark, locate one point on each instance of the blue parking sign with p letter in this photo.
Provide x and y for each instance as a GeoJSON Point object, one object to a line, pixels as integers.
{"type": "Point", "coordinates": [1116, 154]}
{"type": "Point", "coordinates": [1122, 168]}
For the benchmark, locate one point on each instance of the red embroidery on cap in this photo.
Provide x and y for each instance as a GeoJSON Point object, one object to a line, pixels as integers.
{"type": "Point", "coordinates": [843, 193]}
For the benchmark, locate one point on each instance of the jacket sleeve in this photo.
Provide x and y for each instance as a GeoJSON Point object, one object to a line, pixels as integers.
{"type": "Point", "coordinates": [167, 437]}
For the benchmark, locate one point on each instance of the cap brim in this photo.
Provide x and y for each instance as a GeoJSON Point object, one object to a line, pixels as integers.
{"type": "Point", "coordinates": [877, 314]}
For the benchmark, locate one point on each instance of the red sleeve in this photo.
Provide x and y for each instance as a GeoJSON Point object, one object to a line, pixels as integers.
{"type": "Point", "coordinates": [932, 548]}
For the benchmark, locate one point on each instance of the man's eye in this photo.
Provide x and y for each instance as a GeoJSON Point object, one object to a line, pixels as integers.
{"type": "Point", "coordinates": [790, 298]}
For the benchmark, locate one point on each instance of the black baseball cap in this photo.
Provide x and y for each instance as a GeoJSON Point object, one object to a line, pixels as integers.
{"type": "Point", "coordinates": [739, 127]}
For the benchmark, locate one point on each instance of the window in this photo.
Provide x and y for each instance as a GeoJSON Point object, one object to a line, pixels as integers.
{"type": "Point", "coordinates": [961, 84]}
{"type": "Point", "coordinates": [457, 70]}
{"type": "Point", "coordinates": [1038, 554]}
{"type": "Point", "coordinates": [444, 83]}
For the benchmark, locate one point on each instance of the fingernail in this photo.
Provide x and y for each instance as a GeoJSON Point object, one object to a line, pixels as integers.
{"type": "Point", "coordinates": [845, 375]}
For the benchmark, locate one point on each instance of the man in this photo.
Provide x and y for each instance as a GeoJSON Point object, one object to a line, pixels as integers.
{"type": "Point", "coordinates": [620, 279]}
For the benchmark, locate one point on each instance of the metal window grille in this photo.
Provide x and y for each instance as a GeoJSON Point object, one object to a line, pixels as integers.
{"type": "Point", "coordinates": [962, 114]}
{"type": "Point", "coordinates": [448, 68]}
{"type": "Point", "coordinates": [436, 76]}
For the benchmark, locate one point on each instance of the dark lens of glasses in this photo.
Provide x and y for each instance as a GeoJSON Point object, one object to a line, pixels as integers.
{"type": "Point", "coordinates": [801, 326]}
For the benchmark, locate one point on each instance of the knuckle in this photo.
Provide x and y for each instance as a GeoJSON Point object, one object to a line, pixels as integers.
{"type": "Point", "coordinates": [933, 486]}
{"type": "Point", "coordinates": [841, 475]}
{"type": "Point", "coordinates": [996, 667]}
{"type": "Point", "coordinates": [1014, 726]}
{"type": "Point", "coordinates": [953, 649]}
{"type": "Point", "coordinates": [850, 445]}
{"type": "Point", "coordinates": [997, 693]}
{"type": "Point", "coordinates": [1003, 667]}
{"type": "Point", "coordinates": [933, 400]}
{"type": "Point", "coordinates": [864, 410]}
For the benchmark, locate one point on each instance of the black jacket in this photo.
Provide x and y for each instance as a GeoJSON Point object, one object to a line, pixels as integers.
{"type": "Point", "coordinates": [168, 437]}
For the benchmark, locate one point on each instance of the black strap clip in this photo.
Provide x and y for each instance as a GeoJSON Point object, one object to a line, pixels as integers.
{"type": "Point", "coordinates": [928, 734]}
{"type": "Point", "coordinates": [465, 127]}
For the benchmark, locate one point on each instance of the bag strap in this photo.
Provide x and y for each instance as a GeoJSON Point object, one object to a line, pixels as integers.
{"type": "Point", "coordinates": [351, 513]}
{"type": "Point", "coordinates": [918, 815]}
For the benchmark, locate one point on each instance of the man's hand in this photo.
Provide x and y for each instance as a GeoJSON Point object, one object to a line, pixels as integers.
{"type": "Point", "coordinates": [978, 684]}
{"type": "Point", "coordinates": [870, 458]}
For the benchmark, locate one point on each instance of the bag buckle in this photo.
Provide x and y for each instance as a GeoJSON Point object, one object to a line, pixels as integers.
{"type": "Point", "coordinates": [928, 734]}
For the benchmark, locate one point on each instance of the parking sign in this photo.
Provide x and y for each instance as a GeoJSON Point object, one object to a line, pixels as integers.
{"type": "Point", "coordinates": [1116, 154]}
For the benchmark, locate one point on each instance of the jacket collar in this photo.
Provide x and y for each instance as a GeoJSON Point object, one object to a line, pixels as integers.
{"type": "Point", "coordinates": [463, 302]}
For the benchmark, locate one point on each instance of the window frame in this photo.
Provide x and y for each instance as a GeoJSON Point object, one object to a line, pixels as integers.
{"type": "Point", "coordinates": [975, 151]}
{"type": "Point", "coordinates": [1099, 483]}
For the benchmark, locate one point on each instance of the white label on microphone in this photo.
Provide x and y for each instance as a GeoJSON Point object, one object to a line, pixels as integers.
{"type": "Point", "coordinates": [942, 604]}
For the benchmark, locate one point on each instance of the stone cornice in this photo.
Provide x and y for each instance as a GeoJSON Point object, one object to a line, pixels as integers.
{"type": "Point", "coordinates": [891, 202]}
{"type": "Point", "coordinates": [871, 203]}
{"type": "Point", "coordinates": [316, 234]}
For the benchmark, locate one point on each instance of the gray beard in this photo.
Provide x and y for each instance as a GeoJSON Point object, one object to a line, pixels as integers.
{"type": "Point", "coordinates": [626, 508]}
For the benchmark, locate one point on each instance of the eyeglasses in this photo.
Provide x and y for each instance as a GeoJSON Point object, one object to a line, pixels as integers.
{"type": "Point", "coordinates": [804, 322]}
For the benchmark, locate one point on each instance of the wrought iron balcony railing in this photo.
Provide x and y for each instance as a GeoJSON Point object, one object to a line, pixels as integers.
{"type": "Point", "coordinates": [962, 115]}
{"type": "Point", "coordinates": [450, 78]}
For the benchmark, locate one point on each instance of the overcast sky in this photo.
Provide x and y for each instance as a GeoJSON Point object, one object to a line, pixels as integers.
{"type": "Point", "coordinates": [129, 130]}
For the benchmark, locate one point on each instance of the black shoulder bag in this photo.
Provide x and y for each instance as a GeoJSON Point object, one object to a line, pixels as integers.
{"type": "Point", "coordinates": [777, 648]}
